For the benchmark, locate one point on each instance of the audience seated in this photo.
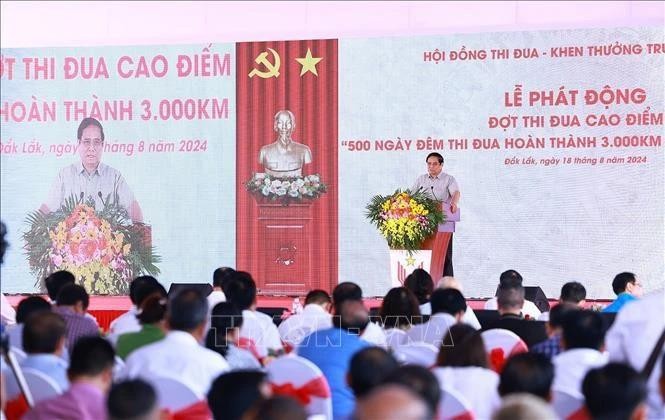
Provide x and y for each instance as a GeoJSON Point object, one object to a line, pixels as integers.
{"type": "Point", "coordinates": [462, 366]}
{"type": "Point", "coordinates": [582, 341]}
{"type": "Point", "coordinates": [392, 402]}
{"type": "Point", "coordinates": [179, 355]}
{"type": "Point", "coordinates": [152, 318]}
{"type": "Point", "coordinates": [420, 380]}
{"type": "Point", "coordinates": [399, 311]}
{"type": "Point", "coordinates": [661, 379]}
{"type": "Point", "coordinates": [90, 374]}
{"type": "Point", "coordinates": [422, 286]}
{"type": "Point", "coordinates": [226, 321]}
{"type": "Point", "coordinates": [448, 307]}
{"type": "Point", "coordinates": [344, 291]}
{"type": "Point", "coordinates": [233, 394]}
{"type": "Point", "coordinates": [44, 338]}
{"type": "Point", "coordinates": [469, 317]}
{"type": "Point", "coordinates": [25, 308]}
{"type": "Point", "coordinates": [72, 304]}
{"type": "Point", "coordinates": [573, 293]}
{"type": "Point", "coordinates": [277, 408]}
{"type": "Point", "coordinates": [257, 327]}
{"type": "Point", "coordinates": [55, 281]}
{"type": "Point", "coordinates": [128, 321]}
{"type": "Point", "coordinates": [615, 391]}
{"type": "Point", "coordinates": [633, 336]}
{"type": "Point", "coordinates": [512, 277]}
{"type": "Point", "coordinates": [132, 400]}
{"type": "Point", "coordinates": [314, 316]}
{"type": "Point", "coordinates": [332, 349]}
{"type": "Point", "coordinates": [524, 407]}
{"type": "Point", "coordinates": [510, 301]}
{"type": "Point", "coordinates": [220, 278]}
{"type": "Point", "coordinates": [368, 368]}
{"type": "Point", "coordinates": [529, 373]}
{"type": "Point", "coordinates": [627, 288]}
{"type": "Point", "coordinates": [552, 346]}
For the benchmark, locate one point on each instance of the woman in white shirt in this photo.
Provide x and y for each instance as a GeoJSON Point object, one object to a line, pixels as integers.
{"type": "Point", "coordinates": [399, 310]}
{"type": "Point", "coordinates": [462, 366]}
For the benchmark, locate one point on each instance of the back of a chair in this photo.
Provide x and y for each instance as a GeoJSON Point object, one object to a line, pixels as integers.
{"type": "Point", "coordinates": [18, 353]}
{"type": "Point", "coordinates": [566, 404]}
{"type": "Point", "coordinates": [417, 353]}
{"type": "Point", "coordinates": [453, 406]}
{"type": "Point", "coordinates": [500, 344]}
{"type": "Point", "coordinates": [118, 368]}
{"type": "Point", "coordinates": [42, 386]}
{"type": "Point", "coordinates": [174, 395]}
{"type": "Point", "coordinates": [486, 316]}
{"type": "Point", "coordinates": [395, 337]}
{"type": "Point", "coordinates": [298, 378]}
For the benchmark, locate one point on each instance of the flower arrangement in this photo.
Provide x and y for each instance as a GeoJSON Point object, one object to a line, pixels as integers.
{"type": "Point", "coordinates": [285, 190]}
{"type": "Point", "coordinates": [103, 250]}
{"type": "Point", "coordinates": [405, 218]}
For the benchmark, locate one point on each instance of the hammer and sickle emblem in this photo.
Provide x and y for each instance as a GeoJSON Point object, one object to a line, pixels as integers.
{"type": "Point", "coordinates": [272, 69]}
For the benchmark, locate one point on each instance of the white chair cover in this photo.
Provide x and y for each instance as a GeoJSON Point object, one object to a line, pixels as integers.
{"type": "Point", "coordinates": [42, 386]}
{"type": "Point", "coordinates": [173, 394]}
{"type": "Point", "coordinates": [500, 344]}
{"type": "Point", "coordinates": [565, 403]}
{"type": "Point", "coordinates": [417, 353]}
{"type": "Point", "coordinates": [301, 379]}
{"type": "Point", "coordinates": [454, 406]}
{"type": "Point", "coordinates": [395, 337]}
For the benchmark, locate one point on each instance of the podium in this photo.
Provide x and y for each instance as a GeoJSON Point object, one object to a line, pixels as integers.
{"type": "Point", "coordinates": [432, 254]}
{"type": "Point", "coordinates": [284, 251]}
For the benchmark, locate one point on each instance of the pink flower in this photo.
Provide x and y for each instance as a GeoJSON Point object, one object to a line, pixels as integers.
{"type": "Point", "coordinates": [56, 260]}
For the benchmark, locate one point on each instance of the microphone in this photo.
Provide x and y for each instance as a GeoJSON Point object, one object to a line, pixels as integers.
{"type": "Point", "coordinates": [99, 194]}
{"type": "Point", "coordinates": [431, 187]}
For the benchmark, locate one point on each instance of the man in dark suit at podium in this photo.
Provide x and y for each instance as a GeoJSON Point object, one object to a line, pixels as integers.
{"type": "Point", "coordinates": [443, 188]}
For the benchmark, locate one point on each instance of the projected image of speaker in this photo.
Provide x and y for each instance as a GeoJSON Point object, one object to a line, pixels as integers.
{"type": "Point", "coordinates": [204, 288]}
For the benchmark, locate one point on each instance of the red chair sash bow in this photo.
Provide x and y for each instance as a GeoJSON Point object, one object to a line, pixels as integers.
{"type": "Point", "coordinates": [317, 387]}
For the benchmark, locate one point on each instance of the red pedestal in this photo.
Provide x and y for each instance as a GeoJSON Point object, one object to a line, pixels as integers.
{"type": "Point", "coordinates": [284, 252]}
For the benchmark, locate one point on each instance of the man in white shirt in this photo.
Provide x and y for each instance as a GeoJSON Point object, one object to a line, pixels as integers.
{"type": "Point", "coordinates": [314, 316]}
{"type": "Point", "coordinates": [449, 282]}
{"type": "Point", "coordinates": [257, 327]}
{"type": "Point", "coordinates": [139, 289]}
{"type": "Point", "coordinates": [572, 292]}
{"type": "Point", "coordinates": [583, 335]}
{"type": "Point", "coordinates": [633, 336]}
{"type": "Point", "coordinates": [180, 355]}
{"type": "Point", "coordinates": [448, 307]}
{"type": "Point", "coordinates": [220, 276]}
{"type": "Point", "coordinates": [347, 290]}
{"type": "Point", "coordinates": [529, 309]}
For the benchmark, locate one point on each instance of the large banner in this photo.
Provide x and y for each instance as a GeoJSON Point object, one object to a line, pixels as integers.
{"type": "Point", "coordinates": [264, 155]}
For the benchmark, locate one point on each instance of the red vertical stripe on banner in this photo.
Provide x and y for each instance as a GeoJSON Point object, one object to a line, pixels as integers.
{"type": "Point", "coordinates": [313, 101]}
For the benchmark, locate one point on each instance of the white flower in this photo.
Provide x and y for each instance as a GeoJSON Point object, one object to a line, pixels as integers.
{"type": "Point", "coordinates": [260, 175]}
{"type": "Point", "coordinates": [266, 181]}
{"type": "Point", "coordinates": [265, 190]}
{"type": "Point", "coordinates": [276, 183]}
{"type": "Point", "coordinates": [299, 182]}
{"type": "Point", "coordinates": [286, 184]}
{"type": "Point", "coordinates": [293, 193]}
{"type": "Point", "coordinates": [313, 178]}
{"type": "Point", "coordinates": [280, 191]}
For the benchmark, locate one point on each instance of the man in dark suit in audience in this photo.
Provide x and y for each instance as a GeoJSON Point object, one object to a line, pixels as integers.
{"type": "Point", "coordinates": [510, 299]}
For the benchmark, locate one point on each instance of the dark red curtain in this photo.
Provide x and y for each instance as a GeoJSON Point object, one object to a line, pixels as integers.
{"type": "Point", "coordinates": [313, 101]}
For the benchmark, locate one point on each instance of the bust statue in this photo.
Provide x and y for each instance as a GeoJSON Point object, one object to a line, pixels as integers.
{"type": "Point", "coordinates": [284, 158]}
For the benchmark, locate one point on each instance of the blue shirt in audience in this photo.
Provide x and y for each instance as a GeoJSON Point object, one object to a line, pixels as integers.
{"type": "Point", "coordinates": [331, 350]}
{"type": "Point", "coordinates": [50, 365]}
{"type": "Point", "coordinates": [618, 303]}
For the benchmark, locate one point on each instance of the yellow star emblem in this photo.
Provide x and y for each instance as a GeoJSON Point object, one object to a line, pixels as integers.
{"type": "Point", "coordinates": [309, 63]}
{"type": "Point", "coordinates": [410, 261]}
